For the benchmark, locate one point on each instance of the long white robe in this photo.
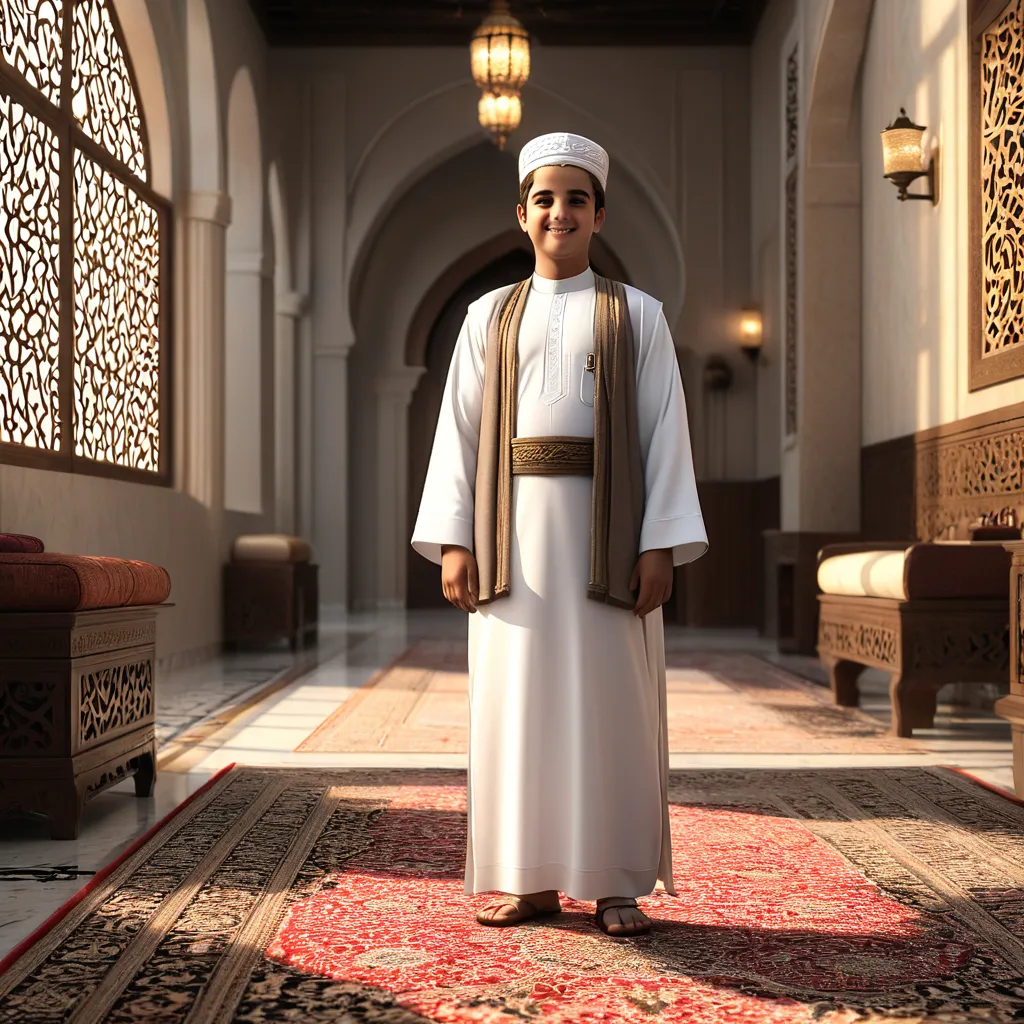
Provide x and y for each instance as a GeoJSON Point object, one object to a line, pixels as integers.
{"type": "Point", "coordinates": [568, 757]}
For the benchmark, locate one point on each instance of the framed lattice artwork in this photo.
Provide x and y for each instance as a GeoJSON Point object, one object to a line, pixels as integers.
{"type": "Point", "coordinates": [84, 250]}
{"type": "Point", "coordinates": [996, 190]}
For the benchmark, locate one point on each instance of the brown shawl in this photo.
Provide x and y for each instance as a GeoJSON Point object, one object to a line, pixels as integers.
{"type": "Point", "coordinates": [618, 471]}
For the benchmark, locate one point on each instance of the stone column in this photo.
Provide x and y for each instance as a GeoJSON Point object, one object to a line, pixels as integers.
{"type": "Point", "coordinates": [394, 394]}
{"type": "Point", "coordinates": [289, 308]}
{"type": "Point", "coordinates": [246, 417]}
{"type": "Point", "coordinates": [207, 215]}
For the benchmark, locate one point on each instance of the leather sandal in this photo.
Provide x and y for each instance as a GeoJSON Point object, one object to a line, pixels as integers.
{"type": "Point", "coordinates": [603, 906]}
{"type": "Point", "coordinates": [524, 911]}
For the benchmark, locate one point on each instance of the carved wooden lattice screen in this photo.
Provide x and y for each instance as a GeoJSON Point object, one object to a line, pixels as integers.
{"type": "Point", "coordinates": [996, 185]}
{"type": "Point", "coordinates": [790, 163]}
{"type": "Point", "coordinates": [84, 273]}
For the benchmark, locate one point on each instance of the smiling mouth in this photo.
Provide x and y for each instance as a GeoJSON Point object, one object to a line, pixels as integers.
{"type": "Point", "coordinates": [561, 231]}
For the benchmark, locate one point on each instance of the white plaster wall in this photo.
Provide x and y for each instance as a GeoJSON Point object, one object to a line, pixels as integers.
{"type": "Point", "coordinates": [915, 255]}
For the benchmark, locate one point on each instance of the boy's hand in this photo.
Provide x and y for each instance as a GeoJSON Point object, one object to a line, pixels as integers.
{"type": "Point", "coordinates": [459, 579]}
{"type": "Point", "coordinates": [653, 574]}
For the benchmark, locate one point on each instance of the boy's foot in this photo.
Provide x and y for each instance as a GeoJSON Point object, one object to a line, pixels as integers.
{"type": "Point", "coordinates": [621, 917]}
{"type": "Point", "coordinates": [510, 909]}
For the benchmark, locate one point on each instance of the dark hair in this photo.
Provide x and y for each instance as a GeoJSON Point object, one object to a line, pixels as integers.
{"type": "Point", "coordinates": [527, 184]}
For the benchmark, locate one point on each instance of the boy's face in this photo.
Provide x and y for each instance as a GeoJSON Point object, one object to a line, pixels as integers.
{"type": "Point", "coordinates": [559, 214]}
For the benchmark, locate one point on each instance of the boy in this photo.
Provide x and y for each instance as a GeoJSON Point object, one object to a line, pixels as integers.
{"type": "Point", "coordinates": [559, 496]}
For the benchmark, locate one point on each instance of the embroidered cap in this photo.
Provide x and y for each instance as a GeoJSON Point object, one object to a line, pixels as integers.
{"type": "Point", "coordinates": [564, 148]}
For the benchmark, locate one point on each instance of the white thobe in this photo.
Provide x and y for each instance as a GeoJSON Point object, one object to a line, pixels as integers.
{"type": "Point", "coordinates": [568, 758]}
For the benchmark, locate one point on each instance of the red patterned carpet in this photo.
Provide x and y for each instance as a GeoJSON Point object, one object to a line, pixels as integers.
{"type": "Point", "coordinates": [289, 895]}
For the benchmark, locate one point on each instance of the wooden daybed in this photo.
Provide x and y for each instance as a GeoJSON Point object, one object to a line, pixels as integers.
{"type": "Point", "coordinates": [928, 614]}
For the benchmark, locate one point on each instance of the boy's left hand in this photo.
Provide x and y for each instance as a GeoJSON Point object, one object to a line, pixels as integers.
{"type": "Point", "coordinates": [653, 575]}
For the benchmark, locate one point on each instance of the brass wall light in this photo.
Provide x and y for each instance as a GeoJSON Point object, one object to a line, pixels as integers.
{"type": "Point", "coordinates": [751, 333]}
{"type": "Point", "coordinates": [903, 158]}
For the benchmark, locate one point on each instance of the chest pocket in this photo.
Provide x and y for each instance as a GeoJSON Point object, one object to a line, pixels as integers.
{"type": "Point", "coordinates": [587, 378]}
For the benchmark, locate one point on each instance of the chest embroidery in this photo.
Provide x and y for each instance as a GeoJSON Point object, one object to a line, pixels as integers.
{"type": "Point", "coordinates": [556, 366]}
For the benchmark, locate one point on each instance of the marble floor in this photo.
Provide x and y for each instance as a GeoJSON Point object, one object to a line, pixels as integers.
{"type": "Point", "coordinates": [256, 708]}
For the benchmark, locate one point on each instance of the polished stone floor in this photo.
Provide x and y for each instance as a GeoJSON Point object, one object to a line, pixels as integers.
{"type": "Point", "coordinates": [302, 690]}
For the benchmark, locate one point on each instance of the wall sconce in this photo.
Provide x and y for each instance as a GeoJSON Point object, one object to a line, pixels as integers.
{"type": "Point", "coordinates": [751, 330]}
{"type": "Point", "coordinates": [717, 374]}
{"type": "Point", "coordinates": [903, 158]}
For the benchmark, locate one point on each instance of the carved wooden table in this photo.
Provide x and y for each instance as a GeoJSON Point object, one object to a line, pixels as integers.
{"type": "Point", "coordinates": [923, 645]}
{"type": "Point", "coordinates": [1012, 707]}
{"type": "Point", "coordinates": [77, 709]}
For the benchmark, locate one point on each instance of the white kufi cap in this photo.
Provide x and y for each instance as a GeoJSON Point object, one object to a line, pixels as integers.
{"type": "Point", "coordinates": [564, 148]}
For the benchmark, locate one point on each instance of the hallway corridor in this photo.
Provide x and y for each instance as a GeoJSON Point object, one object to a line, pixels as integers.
{"type": "Point", "coordinates": [257, 709]}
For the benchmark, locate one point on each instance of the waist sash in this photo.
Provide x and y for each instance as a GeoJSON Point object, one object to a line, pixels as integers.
{"type": "Point", "coordinates": [552, 456]}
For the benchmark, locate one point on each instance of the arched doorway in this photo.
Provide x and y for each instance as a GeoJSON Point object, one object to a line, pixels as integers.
{"type": "Point", "coordinates": [423, 583]}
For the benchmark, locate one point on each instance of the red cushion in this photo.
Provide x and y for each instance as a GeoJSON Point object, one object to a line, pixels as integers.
{"type": "Point", "coordinates": [54, 582]}
{"type": "Point", "coordinates": [20, 543]}
{"type": "Point", "coordinates": [151, 584]}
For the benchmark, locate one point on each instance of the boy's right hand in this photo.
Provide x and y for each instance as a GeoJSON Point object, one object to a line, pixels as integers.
{"type": "Point", "coordinates": [459, 579]}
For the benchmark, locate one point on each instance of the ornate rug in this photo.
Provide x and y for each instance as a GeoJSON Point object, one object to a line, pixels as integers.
{"type": "Point", "coordinates": [717, 703]}
{"type": "Point", "coordinates": [838, 895]}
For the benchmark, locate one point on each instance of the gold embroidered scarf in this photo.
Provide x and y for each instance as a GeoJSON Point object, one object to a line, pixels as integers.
{"type": "Point", "coordinates": [618, 501]}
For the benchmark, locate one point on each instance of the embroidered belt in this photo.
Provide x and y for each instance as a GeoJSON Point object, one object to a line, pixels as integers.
{"type": "Point", "coordinates": [564, 456]}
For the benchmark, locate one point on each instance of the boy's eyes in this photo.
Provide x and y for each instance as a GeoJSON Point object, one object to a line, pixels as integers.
{"type": "Point", "coordinates": [575, 201]}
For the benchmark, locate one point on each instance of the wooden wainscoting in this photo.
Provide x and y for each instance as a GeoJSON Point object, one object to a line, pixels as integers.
{"type": "Point", "coordinates": [937, 481]}
{"type": "Point", "coordinates": [725, 587]}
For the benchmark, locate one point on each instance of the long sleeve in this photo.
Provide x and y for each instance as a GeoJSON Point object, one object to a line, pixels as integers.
{"type": "Point", "coordinates": [446, 507]}
{"type": "Point", "coordinates": [672, 516]}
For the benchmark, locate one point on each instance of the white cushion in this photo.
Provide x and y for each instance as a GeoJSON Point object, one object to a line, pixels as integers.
{"type": "Point", "coordinates": [864, 574]}
{"type": "Point", "coordinates": [270, 547]}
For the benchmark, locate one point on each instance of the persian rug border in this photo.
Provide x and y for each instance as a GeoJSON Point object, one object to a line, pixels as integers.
{"type": "Point", "coordinates": [8, 961]}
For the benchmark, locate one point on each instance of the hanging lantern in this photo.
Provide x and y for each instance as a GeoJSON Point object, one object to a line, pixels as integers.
{"type": "Point", "coordinates": [500, 114]}
{"type": "Point", "coordinates": [500, 61]}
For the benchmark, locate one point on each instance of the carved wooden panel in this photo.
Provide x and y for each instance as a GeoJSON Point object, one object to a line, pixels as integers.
{"type": "Point", "coordinates": [102, 94]}
{"type": "Point", "coordinates": [964, 476]}
{"type": "Point", "coordinates": [30, 41]}
{"type": "Point", "coordinates": [29, 284]}
{"type": "Point", "coordinates": [112, 639]}
{"type": "Point", "coordinates": [997, 170]}
{"type": "Point", "coordinates": [82, 297]}
{"type": "Point", "coordinates": [792, 103]}
{"type": "Point", "coordinates": [961, 646]}
{"type": "Point", "coordinates": [27, 717]}
{"type": "Point", "coordinates": [791, 304]}
{"type": "Point", "coordinates": [870, 643]}
{"type": "Point", "coordinates": [117, 321]}
{"type": "Point", "coordinates": [113, 698]}
{"type": "Point", "coordinates": [113, 774]}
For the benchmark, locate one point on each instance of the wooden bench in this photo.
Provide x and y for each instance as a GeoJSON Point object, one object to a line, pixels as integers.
{"type": "Point", "coordinates": [270, 593]}
{"type": "Point", "coordinates": [77, 695]}
{"type": "Point", "coordinates": [944, 619]}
